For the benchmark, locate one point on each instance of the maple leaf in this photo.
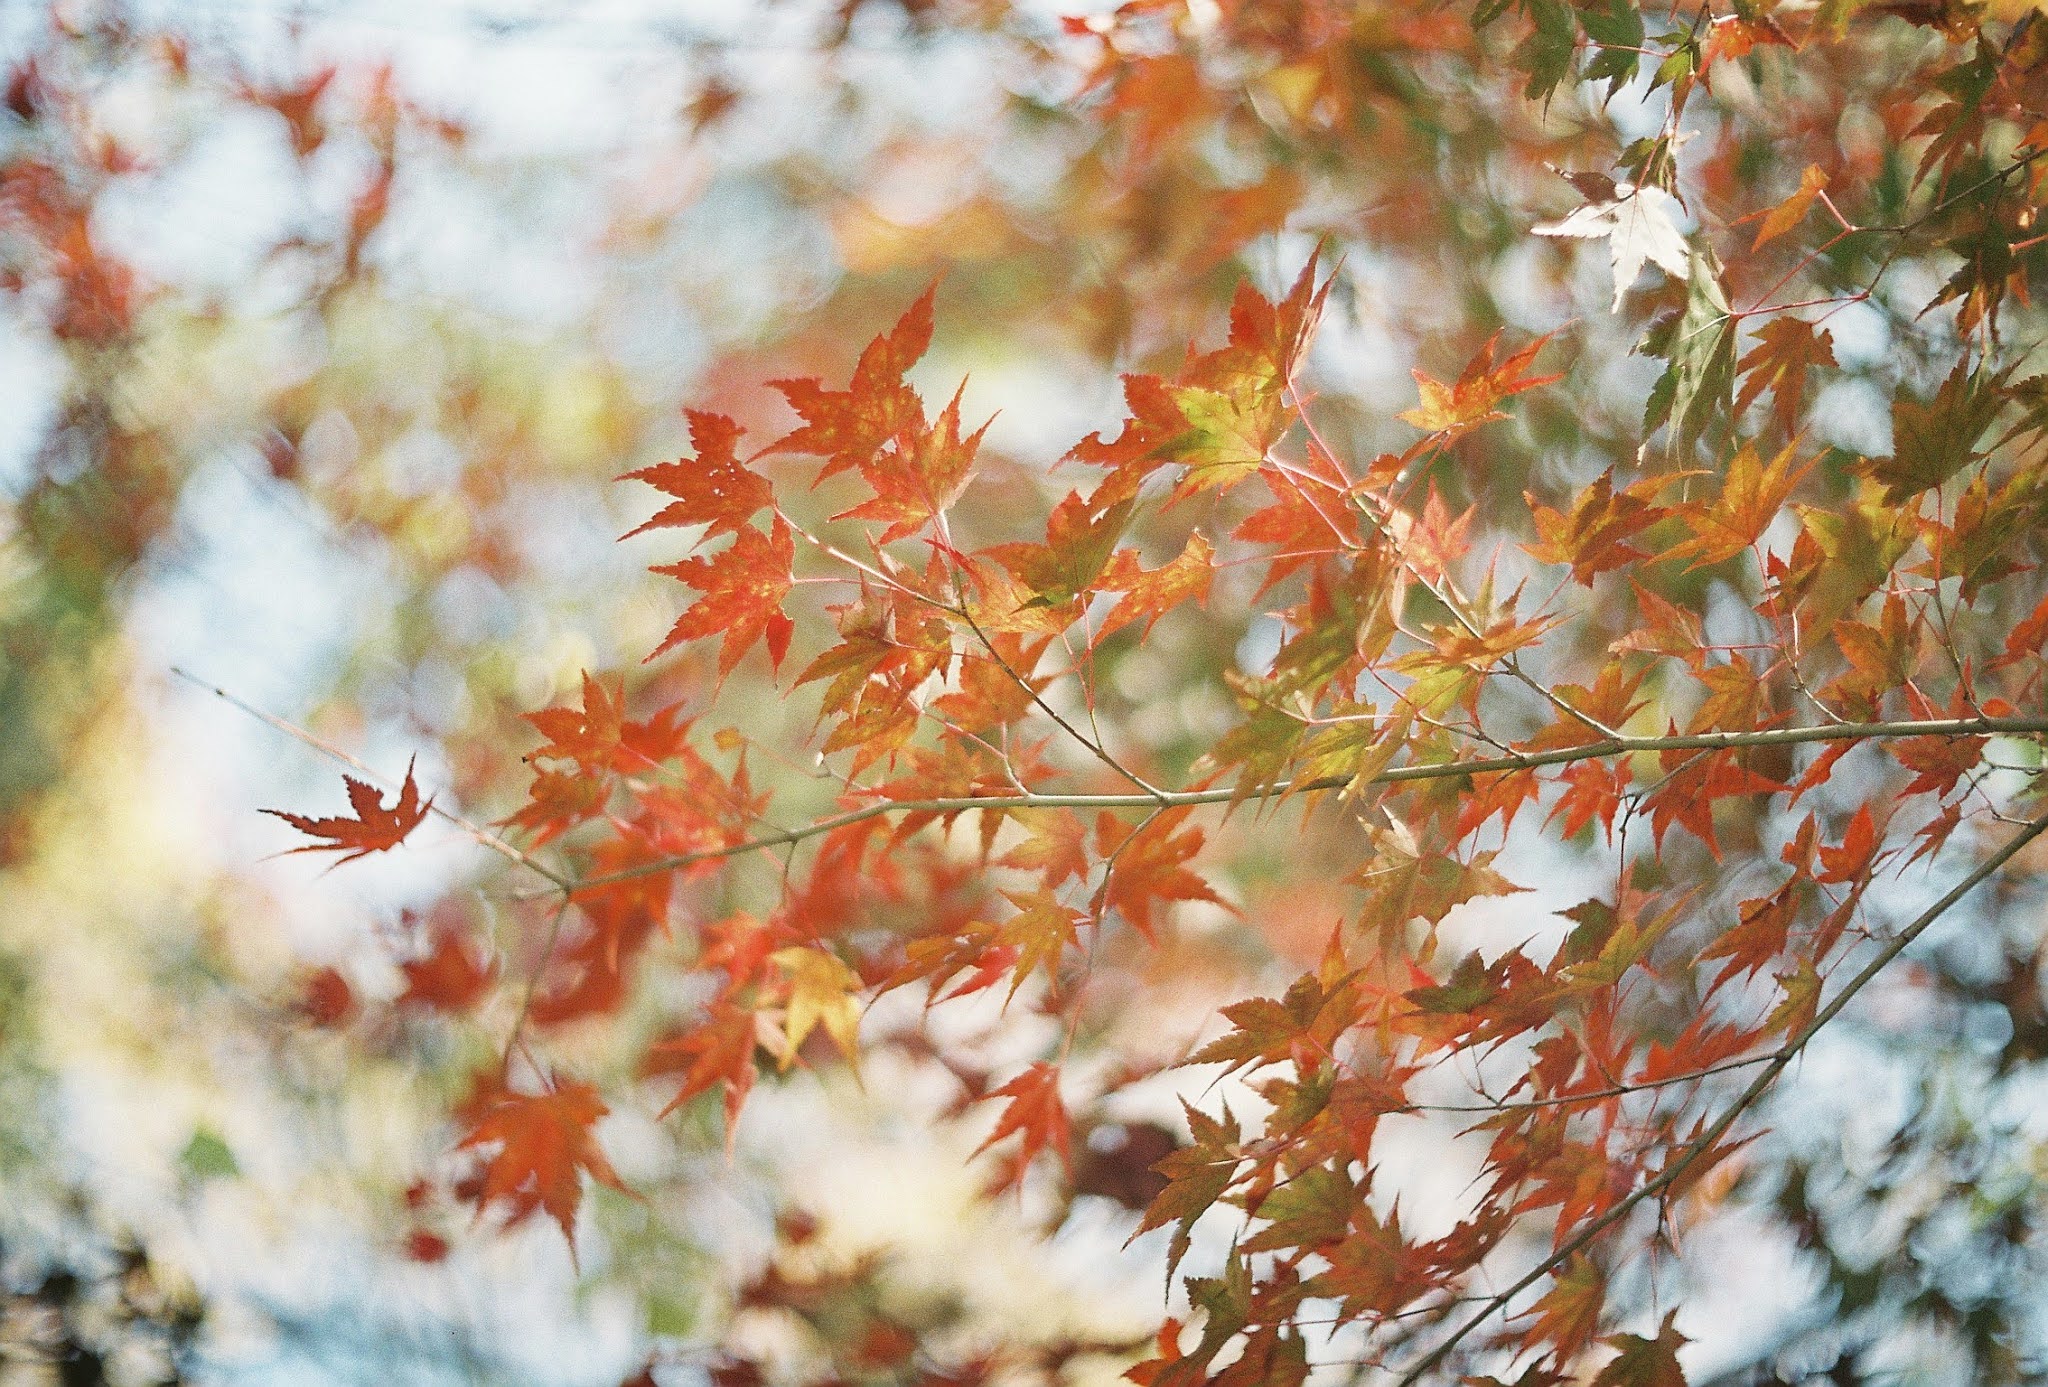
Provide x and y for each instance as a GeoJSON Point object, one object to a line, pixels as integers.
{"type": "Point", "coordinates": [1196, 1177]}
{"type": "Point", "coordinates": [938, 959]}
{"type": "Point", "coordinates": [1666, 628]}
{"type": "Point", "coordinates": [1035, 1114]}
{"type": "Point", "coordinates": [1786, 349]}
{"type": "Point", "coordinates": [719, 1050]}
{"type": "Point", "coordinates": [2029, 636]}
{"type": "Point", "coordinates": [1305, 530]}
{"type": "Point", "coordinates": [1782, 218]}
{"type": "Point", "coordinates": [743, 587]}
{"type": "Point", "coordinates": [1752, 494]}
{"type": "Point", "coordinates": [1880, 657]}
{"type": "Point", "coordinates": [1938, 763]}
{"type": "Point", "coordinates": [599, 737]}
{"type": "Point", "coordinates": [1057, 848]}
{"type": "Point", "coordinates": [453, 976]}
{"type": "Point", "coordinates": [1638, 227]}
{"type": "Point", "coordinates": [1431, 542]}
{"type": "Point", "coordinates": [847, 427]}
{"type": "Point", "coordinates": [714, 489]}
{"type": "Point", "coordinates": [1470, 402]}
{"type": "Point", "coordinates": [1699, 344]}
{"type": "Point", "coordinates": [1645, 1362]}
{"type": "Point", "coordinates": [1150, 594]}
{"type": "Point", "coordinates": [1931, 442]}
{"type": "Point", "coordinates": [1593, 539]}
{"type": "Point", "coordinates": [1693, 783]}
{"type": "Point", "coordinates": [1079, 538]}
{"type": "Point", "coordinates": [1760, 935]}
{"type": "Point", "coordinates": [374, 827]}
{"type": "Point", "coordinates": [821, 993]}
{"type": "Point", "coordinates": [1311, 1211]}
{"type": "Point", "coordinates": [556, 802]}
{"type": "Point", "coordinates": [544, 1145]}
{"type": "Point", "coordinates": [919, 478]}
{"type": "Point", "coordinates": [1593, 790]}
{"type": "Point", "coordinates": [1038, 934]}
{"type": "Point", "coordinates": [1858, 851]}
{"type": "Point", "coordinates": [1373, 1268]}
{"type": "Point", "coordinates": [1148, 867]}
{"type": "Point", "coordinates": [988, 696]}
{"type": "Point", "coordinates": [1224, 411]}
{"type": "Point", "coordinates": [1569, 1312]}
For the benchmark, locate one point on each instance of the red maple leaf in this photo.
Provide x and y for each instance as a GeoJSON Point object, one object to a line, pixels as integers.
{"type": "Point", "coordinates": [847, 427]}
{"type": "Point", "coordinates": [713, 489]}
{"type": "Point", "coordinates": [374, 827]}
{"type": "Point", "coordinates": [1036, 1114]}
{"type": "Point", "coordinates": [717, 1051]}
{"type": "Point", "coordinates": [599, 737]}
{"type": "Point", "coordinates": [453, 976]}
{"type": "Point", "coordinates": [543, 1146]}
{"type": "Point", "coordinates": [743, 587]}
{"type": "Point", "coordinates": [920, 477]}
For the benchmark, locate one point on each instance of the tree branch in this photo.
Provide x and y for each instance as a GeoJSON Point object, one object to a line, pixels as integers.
{"type": "Point", "coordinates": [1394, 775]}
{"type": "Point", "coordinates": [561, 880]}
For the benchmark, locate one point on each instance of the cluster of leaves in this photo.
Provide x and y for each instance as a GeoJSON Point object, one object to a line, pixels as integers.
{"type": "Point", "coordinates": [1742, 674]}
{"type": "Point", "coordinates": [1885, 606]}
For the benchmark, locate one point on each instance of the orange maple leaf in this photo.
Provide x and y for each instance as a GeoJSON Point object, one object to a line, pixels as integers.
{"type": "Point", "coordinates": [1482, 385]}
{"type": "Point", "coordinates": [1787, 348]}
{"type": "Point", "coordinates": [544, 1147]}
{"type": "Point", "coordinates": [1148, 869]}
{"type": "Point", "coordinates": [374, 827]}
{"type": "Point", "coordinates": [1035, 1114]}
{"type": "Point", "coordinates": [919, 478]}
{"type": "Point", "coordinates": [714, 488]}
{"type": "Point", "coordinates": [1751, 496]}
{"type": "Point", "coordinates": [743, 587]}
{"type": "Point", "coordinates": [1150, 594]}
{"type": "Point", "coordinates": [847, 427]}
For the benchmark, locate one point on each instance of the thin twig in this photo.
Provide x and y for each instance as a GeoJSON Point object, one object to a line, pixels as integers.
{"type": "Point", "coordinates": [328, 749]}
{"type": "Point", "coordinates": [540, 968]}
{"type": "Point", "coordinates": [1394, 775]}
{"type": "Point", "coordinates": [1158, 796]}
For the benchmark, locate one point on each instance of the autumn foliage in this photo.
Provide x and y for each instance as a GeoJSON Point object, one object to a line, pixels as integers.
{"type": "Point", "coordinates": [1577, 741]}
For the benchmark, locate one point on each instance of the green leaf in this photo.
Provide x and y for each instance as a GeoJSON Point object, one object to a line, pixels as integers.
{"type": "Point", "coordinates": [1546, 55]}
{"type": "Point", "coordinates": [1617, 34]}
{"type": "Point", "coordinates": [1933, 441]}
{"type": "Point", "coordinates": [207, 1157]}
{"type": "Point", "coordinates": [1696, 387]}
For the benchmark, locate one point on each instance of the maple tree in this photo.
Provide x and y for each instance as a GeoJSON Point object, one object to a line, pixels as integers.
{"type": "Point", "coordinates": [1538, 760]}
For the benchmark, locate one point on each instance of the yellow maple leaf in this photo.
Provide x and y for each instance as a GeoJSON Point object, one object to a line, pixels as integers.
{"type": "Point", "coordinates": [821, 993]}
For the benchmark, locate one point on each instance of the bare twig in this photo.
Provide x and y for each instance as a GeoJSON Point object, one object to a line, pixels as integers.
{"type": "Point", "coordinates": [482, 835]}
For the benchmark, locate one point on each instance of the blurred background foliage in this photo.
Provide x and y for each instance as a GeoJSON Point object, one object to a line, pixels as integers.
{"type": "Point", "coordinates": [326, 333]}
